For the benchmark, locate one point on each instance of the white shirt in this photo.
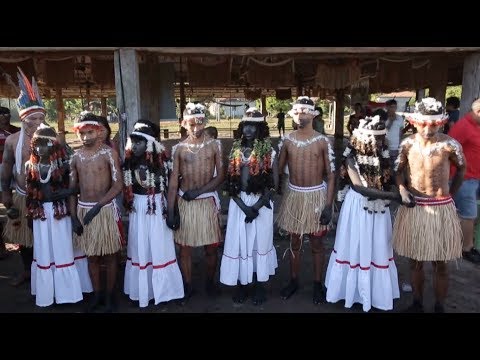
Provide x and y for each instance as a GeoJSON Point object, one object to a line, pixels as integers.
{"type": "Point", "coordinates": [393, 133]}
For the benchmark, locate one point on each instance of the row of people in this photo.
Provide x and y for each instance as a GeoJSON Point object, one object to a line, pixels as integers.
{"type": "Point", "coordinates": [173, 199]}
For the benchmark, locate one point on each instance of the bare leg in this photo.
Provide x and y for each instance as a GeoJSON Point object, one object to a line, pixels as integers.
{"type": "Point", "coordinates": [186, 267]}
{"type": "Point", "coordinates": [94, 271]}
{"type": "Point", "coordinates": [186, 263]}
{"type": "Point", "coordinates": [318, 254]}
{"type": "Point", "coordinates": [417, 279]}
{"type": "Point", "coordinates": [467, 229]}
{"type": "Point", "coordinates": [111, 262]}
{"type": "Point", "coordinates": [26, 254]}
{"type": "Point", "coordinates": [440, 284]}
{"type": "Point", "coordinates": [211, 256]}
{"type": "Point", "coordinates": [260, 293]}
{"type": "Point", "coordinates": [292, 287]}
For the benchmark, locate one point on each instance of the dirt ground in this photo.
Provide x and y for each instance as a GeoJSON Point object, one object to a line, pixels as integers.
{"type": "Point", "coordinates": [463, 293]}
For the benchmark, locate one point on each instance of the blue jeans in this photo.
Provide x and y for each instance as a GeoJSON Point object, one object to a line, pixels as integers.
{"type": "Point", "coordinates": [466, 199]}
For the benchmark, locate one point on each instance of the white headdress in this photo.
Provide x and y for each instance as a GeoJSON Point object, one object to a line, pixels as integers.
{"type": "Point", "coordinates": [194, 111]}
{"type": "Point", "coordinates": [428, 111]}
{"type": "Point", "coordinates": [252, 114]}
{"type": "Point", "coordinates": [303, 105]}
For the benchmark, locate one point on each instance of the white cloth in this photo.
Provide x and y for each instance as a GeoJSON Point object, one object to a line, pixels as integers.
{"type": "Point", "coordinates": [361, 267]}
{"type": "Point", "coordinates": [248, 247]}
{"type": "Point", "coordinates": [81, 263]}
{"type": "Point", "coordinates": [206, 195]}
{"type": "Point", "coordinates": [18, 151]}
{"type": "Point", "coordinates": [151, 270]}
{"type": "Point", "coordinates": [393, 133]}
{"type": "Point", "coordinates": [54, 274]}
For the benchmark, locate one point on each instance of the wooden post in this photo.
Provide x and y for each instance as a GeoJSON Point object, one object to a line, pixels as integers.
{"type": "Point", "coordinates": [470, 83]}
{"type": "Point", "coordinates": [104, 106]}
{"type": "Point", "coordinates": [182, 97]}
{"type": "Point", "coordinates": [339, 114]}
{"type": "Point", "coordinates": [87, 98]}
{"type": "Point", "coordinates": [60, 114]}
{"type": "Point", "coordinates": [149, 88]}
{"type": "Point", "coordinates": [127, 86]}
{"type": "Point", "coordinates": [439, 77]}
{"type": "Point", "coordinates": [264, 105]}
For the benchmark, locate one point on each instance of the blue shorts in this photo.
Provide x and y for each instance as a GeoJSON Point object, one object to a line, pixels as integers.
{"type": "Point", "coordinates": [466, 199]}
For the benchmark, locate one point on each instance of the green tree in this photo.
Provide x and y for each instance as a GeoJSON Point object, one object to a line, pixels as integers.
{"type": "Point", "coordinates": [454, 91]}
{"type": "Point", "coordinates": [73, 108]}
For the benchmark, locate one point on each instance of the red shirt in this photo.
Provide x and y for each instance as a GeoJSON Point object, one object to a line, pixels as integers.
{"type": "Point", "coordinates": [467, 132]}
{"type": "Point", "coordinates": [3, 136]}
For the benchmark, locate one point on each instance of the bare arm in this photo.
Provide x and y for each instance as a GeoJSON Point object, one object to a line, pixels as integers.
{"type": "Point", "coordinates": [330, 170]}
{"type": "Point", "coordinates": [117, 179]}
{"type": "Point", "coordinates": [276, 177]}
{"type": "Point", "coordinates": [458, 159]}
{"type": "Point", "coordinates": [329, 163]}
{"type": "Point", "coordinates": [73, 199]}
{"type": "Point", "coordinates": [173, 182]}
{"type": "Point", "coordinates": [401, 164]}
{"type": "Point", "coordinates": [7, 173]}
{"type": "Point", "coordinates": [282, 161]}
{"type": "Point", "coordinates": [73, 183]}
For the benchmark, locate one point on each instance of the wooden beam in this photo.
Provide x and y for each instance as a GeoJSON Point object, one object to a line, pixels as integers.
{"type": "Point", "coordinates": [250, 50]}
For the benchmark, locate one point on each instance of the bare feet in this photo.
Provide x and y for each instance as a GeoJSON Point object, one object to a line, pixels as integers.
{"type": "Point", "coordinates": [212, 288]}
{"type": "Point", "coordinates": [319, 293]}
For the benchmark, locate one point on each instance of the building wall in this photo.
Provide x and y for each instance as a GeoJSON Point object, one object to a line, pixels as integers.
{"type": "Point", "coordinates": [402, 102]}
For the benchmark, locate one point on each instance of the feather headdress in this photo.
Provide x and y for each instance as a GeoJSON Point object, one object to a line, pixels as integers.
{"type": "Point", "coordinates": [29, 101]}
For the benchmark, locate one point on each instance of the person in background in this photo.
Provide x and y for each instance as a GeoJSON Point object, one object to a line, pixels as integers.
{"type": "Point", "coordinates": [6, 129]}
{"type": "Point", "coordinates": [281, 123]}
{"type": "Point", "coordinates": [318, 123]}
{"type": "Point", "coordinates": [452, 105]}
{"type": "Point", "coordinates": [212, 131]}
{"type": "Point", "coordinates": [467, 132]}
{"type": "Point", "coordinates": [354, 119]}
{"type": "Point", "coordinates": [395, 129]}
